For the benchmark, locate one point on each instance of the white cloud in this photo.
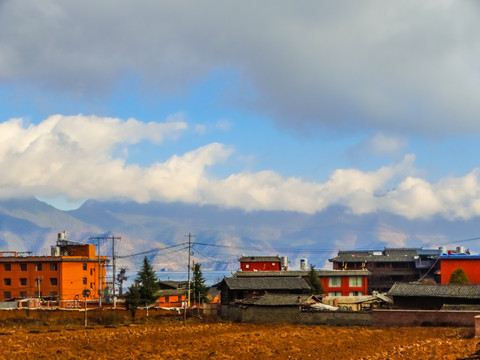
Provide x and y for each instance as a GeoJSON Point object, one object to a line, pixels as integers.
{"type": "Point", "coordinates": [382, 144]}
{"type": "Point", "coordinates": [394, 66]}
{"type": "Point", "coordinates": [75, 157]}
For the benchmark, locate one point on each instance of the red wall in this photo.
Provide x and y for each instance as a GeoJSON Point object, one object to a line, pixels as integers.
{"type": "Point", "coordinates": [471, 267]}
{"type": "Point", "coordinates": [260, 266]}
{"type": "Point", "coordinates": [345, 286]}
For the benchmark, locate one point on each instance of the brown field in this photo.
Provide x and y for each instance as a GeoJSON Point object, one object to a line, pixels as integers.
{"type": "Point", "coordinates": [235, 341]}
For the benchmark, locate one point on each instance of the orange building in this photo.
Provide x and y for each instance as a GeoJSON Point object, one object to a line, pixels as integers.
{"type": "Point", "coordinates": [63, 276]}
{"type": "Point", "coordinates": [172, 293]}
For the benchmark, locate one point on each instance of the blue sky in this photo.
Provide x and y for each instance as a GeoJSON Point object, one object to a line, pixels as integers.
{"type": "Point", "coordinates": [258, 106]}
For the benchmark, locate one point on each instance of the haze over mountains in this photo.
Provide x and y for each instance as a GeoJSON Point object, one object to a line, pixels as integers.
{"type": "Point", "coordinates": [158, 230]}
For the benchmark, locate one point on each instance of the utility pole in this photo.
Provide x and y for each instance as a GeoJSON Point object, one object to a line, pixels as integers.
{"type": "Point", "coordinates": [113, 273]}
{"type": "Point", "coordinates": [188, 285]}
{"type": "Point", "coordinates": [99, 277]}
{"type": "Point", "coordinates": [100, 272]}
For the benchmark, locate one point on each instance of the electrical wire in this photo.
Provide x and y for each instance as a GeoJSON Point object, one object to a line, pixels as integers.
{"type": "Point", "coordinates": [150, 251]}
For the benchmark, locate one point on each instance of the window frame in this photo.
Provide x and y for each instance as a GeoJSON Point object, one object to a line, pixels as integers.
{"type": "Point", "coordinates": [353, 281]}
{"type": "Point", "coordinates": [334, 281]}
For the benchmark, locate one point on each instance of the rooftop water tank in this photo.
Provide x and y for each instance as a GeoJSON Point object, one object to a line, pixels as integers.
{"type": "Point", "coordinates": [303, 264]}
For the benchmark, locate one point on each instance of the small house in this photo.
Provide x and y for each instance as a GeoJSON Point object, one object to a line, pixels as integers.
{"type": "Point", "coordinates": [432, 297]}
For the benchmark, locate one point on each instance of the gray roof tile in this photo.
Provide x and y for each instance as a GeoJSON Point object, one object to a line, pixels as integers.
{"type": "Point", "coordinates": [266, 283]}
{"type": "Point", "coordinates": [447, 290]}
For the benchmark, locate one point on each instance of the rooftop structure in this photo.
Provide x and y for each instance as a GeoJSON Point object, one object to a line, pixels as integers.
{"type": "Point", "coordinates": [262, 263]}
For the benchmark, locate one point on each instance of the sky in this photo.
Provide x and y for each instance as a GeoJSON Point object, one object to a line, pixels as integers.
{"type": "Point", "coordinates": [269, 105]}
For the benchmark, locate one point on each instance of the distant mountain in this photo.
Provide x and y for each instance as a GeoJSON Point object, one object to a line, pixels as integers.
{"type": "Point", "coordinates": [158, 230]}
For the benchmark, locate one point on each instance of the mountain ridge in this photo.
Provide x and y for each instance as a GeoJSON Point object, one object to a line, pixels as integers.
{"type": "Point", "coordinates": [221, 235]}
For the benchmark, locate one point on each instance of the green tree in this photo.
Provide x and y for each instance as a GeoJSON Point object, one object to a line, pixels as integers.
{"type": "Point", "coordinates": [132, 298]}
{"type": "Point", "coordinates": [199, 289]}
{"type": "Point", "coordinates": [147, 283]}
{"type": "Point", "coordinates": [314, 281]}
{"type": "Point", "coordinates": [459, 277]}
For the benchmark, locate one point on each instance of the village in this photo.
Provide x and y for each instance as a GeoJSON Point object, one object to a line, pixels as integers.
{"type": "Point", "coordinates": [389, 287]}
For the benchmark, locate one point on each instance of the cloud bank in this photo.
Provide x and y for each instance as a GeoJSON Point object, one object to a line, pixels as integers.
{"type": "Point", "coordinates": [404, 66]}
{"type": "Point", "coordinates": [78, 157]}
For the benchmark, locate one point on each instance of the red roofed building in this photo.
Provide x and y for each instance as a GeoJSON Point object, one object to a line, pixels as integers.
{"type": "Point", "coordinates": [261, 263]}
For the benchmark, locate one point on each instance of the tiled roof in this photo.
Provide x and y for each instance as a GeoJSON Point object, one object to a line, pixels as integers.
{"type": "Point", "coordinates": [266, 283]}
{"type": "Point", "coordinates": [276, 300]}
{"type": "Point", "coordinates": [171, 292]}
{"type": "Point", "coordinates": [448, 290]}
{"type": "Point", "coordinates": [259, 259]}
{"type": "Point", "coordinates": [170, 284]}
{"type": "Point", "coordinates": [386, 255]}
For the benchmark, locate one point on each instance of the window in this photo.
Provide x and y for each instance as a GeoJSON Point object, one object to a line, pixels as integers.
{"type": "Point", "coordinates": [84, 281]}
{"type": "Point", "coordinates": [38, 294]}
{"type": "Point", "coordinates": [91, 272]}
{"type": "Point", "coordinates": [356, 293]}
{"type": "Point", "coordinates": [334, 281]}
{"type": "Point", "coordinates": [7, 281]}
{"type": "Point", "coordinates": [91, 285]}
{"type": "Point", "coordinates": [38, 281]}
{"type": "Point", "coordinates": [167, 299]}
{"type": "Point", "coordinates": [53, 281]}
{"type": "Point", "coordinates": [38, 267]}
{"type": "Point", "coordinates": [334, 293]}
{"type": "Point", "coordinates": [23, 281]}
{"type": "Point", "coordinates": [23, 294]}
{"type": "Point", "coordinates": [23, 267]}
{"type": "Point", "coordinates": [7, 267]}
{"type": "Point", "coordinates": [53, 294]}
{"type": "Point", "coordinates": [247, 266]}
{"type": "Point", "coordinates": [7, 295]}
{"type": "Point", "coordinates": [355, 281]}
{"type": "Point", "coordinates": [84, 266]}
{"type": "Point", "coordinates": [53, 266]}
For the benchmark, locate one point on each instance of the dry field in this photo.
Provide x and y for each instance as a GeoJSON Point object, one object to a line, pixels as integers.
{"type": "Point", "coordinates": [235, 341]}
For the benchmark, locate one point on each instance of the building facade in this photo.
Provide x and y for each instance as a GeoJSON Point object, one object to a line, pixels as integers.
{"type": "Point", "coordinates": [260, 263]}
{"type": "Point", "coordinates": [63, 276]}
{"type": "Point", "coordinates": [389, 266]}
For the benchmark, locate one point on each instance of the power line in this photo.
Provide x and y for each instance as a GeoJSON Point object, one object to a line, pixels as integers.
{"type": "Point", "coordinates": [150, 251]}
{"type": "Point", "coordinates": [260, 249]}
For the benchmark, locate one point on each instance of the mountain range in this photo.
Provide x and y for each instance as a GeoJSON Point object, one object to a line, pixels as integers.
{"type": "Point", "coordinates": [219, 236]}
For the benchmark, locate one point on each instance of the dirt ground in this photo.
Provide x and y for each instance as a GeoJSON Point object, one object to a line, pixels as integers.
{"type": "Point", "coordinates": [235, 341]}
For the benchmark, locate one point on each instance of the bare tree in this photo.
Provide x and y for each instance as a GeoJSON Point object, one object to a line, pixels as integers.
{"type": "Point", "coordinates": [121, 277]}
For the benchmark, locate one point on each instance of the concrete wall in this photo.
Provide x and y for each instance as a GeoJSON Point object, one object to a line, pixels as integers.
{"type": "Point", "coordinates": [294, 315]}
{"type": "Point", "coordinates": [423, 318]}
{"type": "Point", "coordinates": [98, 316]}
{"type": "Point", "coordinates": [346, 318]}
